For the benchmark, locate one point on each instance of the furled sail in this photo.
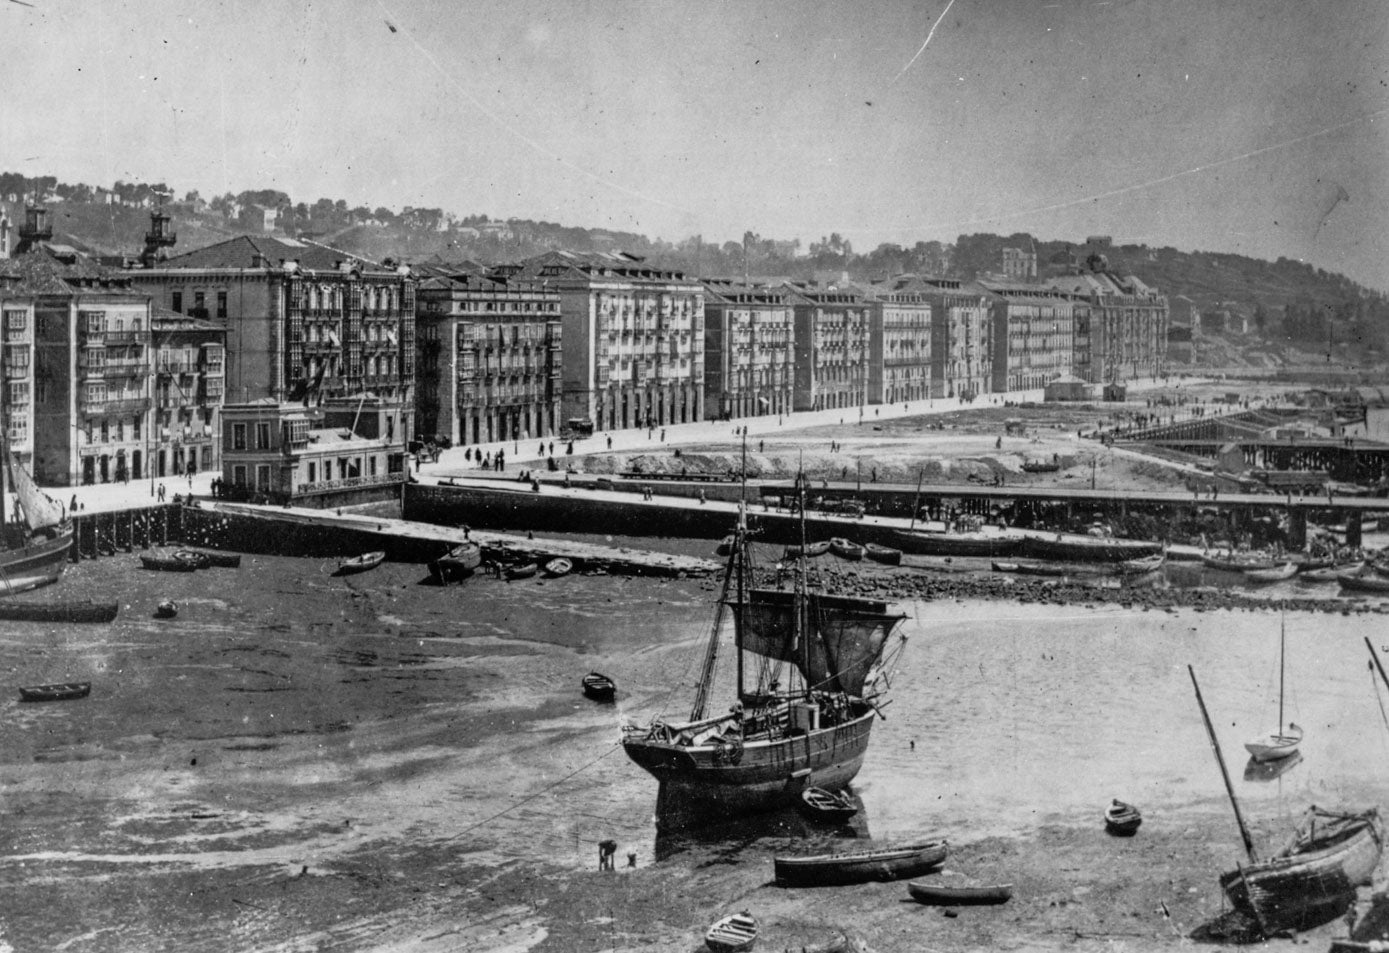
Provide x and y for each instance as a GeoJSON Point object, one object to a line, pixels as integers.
{"type": "Point", "coordinates": [40, 510]}
{"type": "Point", "coordinates": [846, 635]}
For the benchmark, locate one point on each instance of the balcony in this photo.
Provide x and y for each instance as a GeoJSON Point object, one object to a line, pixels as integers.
{"type": "Point", "coordinates": [123, 337]}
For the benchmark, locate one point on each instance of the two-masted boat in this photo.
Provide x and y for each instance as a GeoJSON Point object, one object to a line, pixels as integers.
{"type": "Point", "coordinates": [35, 541]}
{"type": "Point", "coordinates": [810, 666]}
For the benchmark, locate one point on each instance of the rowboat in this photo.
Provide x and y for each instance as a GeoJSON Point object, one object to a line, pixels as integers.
{"type": "Point", "coordinates": [860, 866]}
{"type": "Point", "coordinates": [973, 543]}
{"type": "Point", "coordinates": [821, 805]}
{"type": "Point", "coordinates": [945, 895]}
{"type": "Point", "coordinates": [219, 558]}
{"type": "Point", "coordinates": [1314, 877]}
{"type": "Point", "coordinates": [559, 566]}
{"type": "Point", "coordinates": [1122, 819]}
{"type": "Point", "coordinates": [1232, 561]}
{"type": "Point", "coordinates": [166, 609]}
{"type": "Point", "coordinates": [197, 557]}
{"type": "Point", "coordinates": [11, 611]}
{"type": "Point", "coordinates": [1084, 547]}
{"type": "Point", "coordinates": [520, 571]}
{"type": "Point", "coordinates": [458, 563]}
{"type": "Point", "coordinates": [1275, 574]}
{"type": "Point", "coordinates": [1329, 573]}
{"type": "Point", "coordinates": [846, 548]}
{"type": "Point", "coordinates": [1363, 580]}
{"type": "Point", "coordinates": [361, 563]}
{"type": "Point", "coordinates": [62, 691]}
{"type": "Point", "coordinates": [732, 933]}
{"type": "Point", "coordinates": [165, 561]}
{"type": "Point", "coordinates": [818, 548]}
{"type": "Point", "coordinates": [883, 554]}
{"type": "Point", "coordinates": [599, 687]}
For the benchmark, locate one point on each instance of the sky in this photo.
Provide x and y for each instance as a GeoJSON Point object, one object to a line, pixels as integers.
{"type": "Point", "coordinates": [1249, 126]}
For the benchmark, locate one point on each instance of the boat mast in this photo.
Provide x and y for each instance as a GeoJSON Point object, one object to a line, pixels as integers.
{"type": "Point", "coordinates": [1282, 653]}
{"type": "Point", "coordinates": [740, 548]}
{"type": "Point", "coordinates": [1375, 659]}
{"type": "Point", "coordinates": [1220, 760]}
{"type": "Point", "coordinates": [800, 600]}
{"type": "Point", "coordinates": [916, 500]}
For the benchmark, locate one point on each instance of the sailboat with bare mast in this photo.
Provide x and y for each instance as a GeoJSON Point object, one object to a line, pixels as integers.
{"type": "Point", "coordinates": [810, 664]}
{"type": "Point", "coordinates": [1279, 742]}
{"type": "Point", "coordinates": [36, 538]}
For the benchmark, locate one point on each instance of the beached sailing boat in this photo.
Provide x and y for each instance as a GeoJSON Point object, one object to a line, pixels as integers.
{"type": "Point", "coordinates": [35, 540]}
{"type": "Point", "coordinates": [809, 667]}
{"type": "Point", "coordinates": [1278, 742]}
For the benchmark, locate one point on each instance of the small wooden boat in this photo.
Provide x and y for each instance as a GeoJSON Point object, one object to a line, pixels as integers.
{"type": "Point", "coordinates": [520, 571]}
{"type": "Point", "coordinates": [883, 554]}
{"type": "Point", "coordinates": [166, 609]}
{"type": "Point", "coordinates": [559, 566]}
{"type": "Point", "coordinates": [355, 564]}
{"type": "Point", "coordinates": [846, 548]}
{"type": "Point", "coordinates": [219, 558]}
{"type": "Point", "coordinates": [197, 557]}
{"type": "Point", "coordinates": [165, 561]}
{"type": "Point", "coordinates": [1279, 742]}
{"type": "Point", "coordinates": [810, 549]}
{"type": "Point", "coordinates": [63, 691]}
{"type": "Point", "coordinates": [1084, 547]}
{"type": "Point", "coordinates": [821, 805]}
{"type": "Point", "coordinates": [599, 687]}
{"type": "Point", "coordinates": [732, 933]}
{"type": "Point", "coordinates": [12, 611]}
{"type": "Point", "coordinates": [458, 563]}
{"type": "Point", "coordinates": [1040, 466]}
{"type": "Point", "coordinates": [1122, 819]}
{"type": "Point", "coordinates": [861, 866]}
{"type": "Point", "coordinates": [1276, 574]}
{"type": "Point", "coordinates": [1363, 579]}
{"type": "Point", "coordinates": [1142, 565]}
{"type": "Point", "coordinates": [1329, 573]}
{"type": "Point", "coordinates": [947, 895]}
{"type": "Point", "coordinates": [972, 543]}
{"type": "Point", "coordinates": [1231, 561]}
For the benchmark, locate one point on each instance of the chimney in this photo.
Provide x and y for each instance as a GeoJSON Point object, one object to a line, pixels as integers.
{"type": "Point", "coordinates": [158, 240]}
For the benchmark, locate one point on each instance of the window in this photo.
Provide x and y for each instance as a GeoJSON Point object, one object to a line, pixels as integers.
{"type": "Point", "coordinates": [105, 431]}
{"type": "Point", "coordinates": [239, 437]}
{"type": "Point", "coordinates": [221, 304]}
{"type": "Point", "coordinates": [135, 429]}
{"type": "Point", "coordinates": [239, 472]}
{"type": "Point", "coordinates": [263, 476]}
{"type": "Point", "coordinates": [262, 436]}
{"type": "Point", "coordinates": [199, 302]}
{"type": "Point", "coordinates": [176, 300]}
{"type": "Point", "coordinates": [313, 471]}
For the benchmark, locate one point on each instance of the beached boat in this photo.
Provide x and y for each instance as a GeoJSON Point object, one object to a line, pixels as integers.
{"type": "Point", "coordinates": [59, 692]}
{"type": "Point", "coordinates": [559, 566]}
{"type": "Point", "coordinates": [169, 561]}
{"type": "Point", "coordinates": [34, 548]}
{"type": "Point", "coordinates": [599, 687]}
{"type": "Point", "coordinates": [970, 543]}
{"type": "Point", "coordinates": [947, 895]}
{"type": "Point", "coordinates": [1122, 819]}
{"type": "Point", "coordinates": [1363, 579]}
{"type": "Point", "coordinates": [860, 866]}
{"type": "Point", "coordinates": [1313, 878]}
{"type": "Point", "coordinates": [818, 548]}
{"type": "Point", "coordinates": [15, 611]}
{"type": "Point", "coordinates": [821, 805]}
{"type": "Point", "coordinates": [1329, 573]}
{"type": "Point", "coordinates": [355, 564]}
{"type": "Point", "coordinates": [1275, 574]}
{"type": "Point", "coordinates": [1233, 561]}
{"type": "Point", "coordinates": [1040, 466]}
{"type": "Point", "coordinates": [732, 933]}
{"type": "Point", "coordinates": [1278, 742]}
{"type": "Point", "coordinates": [166, 609]}
{"type": "Point", "coordinates": [846, 548]}
{"type": "Point", "coordinates": [219, 558]}
{"type": "Point", "coordinates": [460, 562]}
{"type": "Point", "coordinates": [883, 554]}
{"type": "Point", "coordinates": [1035, 567]}
{"type": "Point", "coordinates": [1085, 547]}
{"type": "Point", "coordinates": [808, 687]}
{"type": "Point", "coordinates": [520, 571]}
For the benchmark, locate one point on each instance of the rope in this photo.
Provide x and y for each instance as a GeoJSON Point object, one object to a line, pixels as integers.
{"type": "Point", "coordinates": [531, 797]}
{"type": "Point", "coordinates": [1379, 698]}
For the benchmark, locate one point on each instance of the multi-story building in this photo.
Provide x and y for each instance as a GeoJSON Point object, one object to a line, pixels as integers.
{"type": "Point", "coordinates": [899, 344]}
{"type": "Point", "coordinates": [341, 449]}
{"type": "Point", "coordinates": [1020, 264]}
{"type": "Point", "coordinates": [831, 339]}
{"type": "Point", "coordinates": [1128, 323]}
{"type": "Point", "coordinates": [633, 349]}
{"type": "Point", "coordinates": [489, 359]}
{"type": "Point", "coordinates": [189, 386]}
{"type": "Point", "coordinates": [957, 348]}
{"type": "Point", "coordinates": [1033, 335]}
{"type": "Point", "coordinates": [748, 351]}
{"type": "Point", "coordinates": [76, 363]}
{"type": "Point", "coordinates": [304, 321]}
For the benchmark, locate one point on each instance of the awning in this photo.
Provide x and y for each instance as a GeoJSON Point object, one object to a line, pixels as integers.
{"type": "Point", "coordinates": [764, 402]}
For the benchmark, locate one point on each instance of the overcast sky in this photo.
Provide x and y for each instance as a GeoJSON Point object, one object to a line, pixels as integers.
{"type": "Point", "coordinates": [1250, 126]}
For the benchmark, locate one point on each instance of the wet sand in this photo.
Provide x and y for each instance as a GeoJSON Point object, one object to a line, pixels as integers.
{"type": "Point", "coordinates": [299, 761]}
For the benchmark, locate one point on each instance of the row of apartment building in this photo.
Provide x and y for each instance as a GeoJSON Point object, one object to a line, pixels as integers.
{"type": "Point", "coordinates": [148, 367]}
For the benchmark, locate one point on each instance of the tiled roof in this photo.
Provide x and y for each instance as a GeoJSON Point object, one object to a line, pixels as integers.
{"type": "Point", "coordinates": [260, 251]}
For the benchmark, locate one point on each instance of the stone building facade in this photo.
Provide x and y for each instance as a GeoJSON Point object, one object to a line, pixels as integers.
{"type": "Point", "coordinates": [188, 390]}
{"type": "Point", "coordinates": [1033, 335]}
{"type": "Point", "coordinates": [831, 337]}
{"type": "Point", "coordinates": [1128, 323]}
{"type": "Point", "coordinates": [899, 342]}
{"type": "Point", "coordinates": [748, 350]}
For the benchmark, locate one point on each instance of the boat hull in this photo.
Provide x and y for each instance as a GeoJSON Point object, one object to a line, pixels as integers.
{"type": "Point", "coordinates": [830, 870]}
{"type": "Point", "coordinates": [1077, 548]}
{"type": "Point", "coordinates": [1272, 747]}
{"type": "Point", "coordinates": [955, 544]}
{"type": "Point", "coordinates": [37, 563]}
{"type": "Point", "coordinates": [706, 782]}
{"type": "Point", "coordinates": [951, 896]}
{"type": "Point", "coordinates": [59, 612]}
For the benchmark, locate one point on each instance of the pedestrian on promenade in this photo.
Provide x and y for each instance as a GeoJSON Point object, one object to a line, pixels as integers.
{"type": "Point", "coordinates": [663, 435]}
{"type": "Point", "coordinates": [72, 508]}
{"type": "Point", "coordinates": [610, 441]}
{"type": "Point", "coordinates": [161, 493]}
{"type": "Point", "coordinates": [606, 849]}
